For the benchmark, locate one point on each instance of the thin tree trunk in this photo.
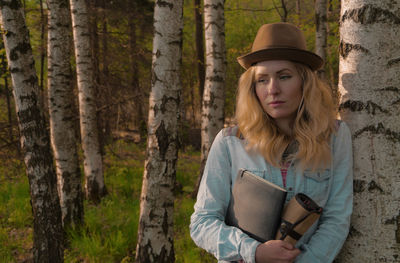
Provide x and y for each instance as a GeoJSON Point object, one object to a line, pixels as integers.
{"type": "Point", "coordinates": [138, 102]}
{"type": "Point", "coordinates": [298, 12]}
{"type": "Point", "coordinates": [48, 234]}
{"type": "Point", "coordinates": [104, 76]}
{"type": "Point", "coordinates": [369, 88]}
{"type": "Point", "coordinates": [321, 31]}
{"type": "Point", "coordinates": [212, 116]}
{"type": "Point", "coordinates": [10, 123]}
{"type": "Point", "coordinates": [93, 167]}
{"type": "Point", "coordinates": [199, 47]}
{"type": "Point", "coordinates": [98, 85]}
{"type": "Point", "coordinates": [42, 47]}
{"type": "Point", "coordinates": [8, 99]}
{"type": "Point", "coordinates": [155, 235]}
{"type": "Point", "coordinates": [62, 119]}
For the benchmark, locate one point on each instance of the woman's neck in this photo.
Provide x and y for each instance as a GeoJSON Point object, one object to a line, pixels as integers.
{"type": "Point", "coordinates": [286, 126]}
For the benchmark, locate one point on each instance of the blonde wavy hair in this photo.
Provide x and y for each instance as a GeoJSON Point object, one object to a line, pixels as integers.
{"type": "Point", "coordinates": [312, 129]}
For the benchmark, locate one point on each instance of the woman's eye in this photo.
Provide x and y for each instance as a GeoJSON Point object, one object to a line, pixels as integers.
{"type": "Point", "coordinates": [261, 80]}
{"type": "Point", "coordinates": [285, 77]}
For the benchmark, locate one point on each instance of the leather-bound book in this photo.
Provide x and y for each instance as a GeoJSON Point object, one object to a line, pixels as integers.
{"type": "Point", "coordinates": [255, 206]}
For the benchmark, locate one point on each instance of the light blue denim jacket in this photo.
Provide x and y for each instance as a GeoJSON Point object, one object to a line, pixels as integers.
{"type": "Point", "coordinates": [332, 189]}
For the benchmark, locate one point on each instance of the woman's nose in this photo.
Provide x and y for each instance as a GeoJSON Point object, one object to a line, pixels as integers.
{"type": "Point", "coordinates": [273, 87]}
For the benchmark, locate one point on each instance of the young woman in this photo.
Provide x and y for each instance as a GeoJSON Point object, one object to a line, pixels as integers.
{"type": "Point", "coordinates": [286, 133]}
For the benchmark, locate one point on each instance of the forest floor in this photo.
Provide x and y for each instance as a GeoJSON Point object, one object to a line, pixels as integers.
{"type": "Point", "coordinates": [110, 230]}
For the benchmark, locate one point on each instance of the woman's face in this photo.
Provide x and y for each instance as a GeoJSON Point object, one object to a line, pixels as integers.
{"type": "Point", "coordinates": [279, 89]}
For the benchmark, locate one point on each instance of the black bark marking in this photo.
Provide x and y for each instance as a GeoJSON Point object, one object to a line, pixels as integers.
{"type": "Point", "coordinates": [21, 48]}
{"type": "Point", "coordinates": [14, 70]}
{"type": "Point", "coordinates": [220, 27]}
{"type": "Point", "coordinates": [15, 5]}
{"type": "Point", "coordinates": [356, 105]}
{"type": "Point", "coordinates": [374, 186]}
{"type": "Point", "coordinates": [146, 254]}
{"type": "Point", "coordinates": [358, 186]}
{"type": "Point", "coordinates": [390, 88]}
{"type": "Point", "coordinates": [209, 103]}
{"type": "Point", "coordinates": [162, 140]}
{"type": "Point", "coordinates": [165, 223]}
{"type": "Point", "coordinates": [398, 229]}
{"type": "Point", "coordinates": [94, 192]}
{"type": "Point", "coordinates": [393, 62]}
{"type": "Point", "coordinates": [391, 221]}
{"type": "Point", "coordinates": [370, 14]}
{"type": "Point", "coordinates": [379, 129]}
{"type": "Point", "coordinates": [346, 48]}
{"type": "Point", "coordinates": [353, 232]}
{"type": "Point", "coordinates": [31, 81]}
{"type": "Point", "coordinates": [319, 20]}
{"type": "Point", "coordinates": [177, 43]}
{"type": "Point", "coordinates": [165, 100]}
{"type": "Point", "coordinates": [161, 3]}
{"type": "Point", "coordinates": [154, 77]}
{"type": "Point", "coordinates": [152, 215]}
{"type": "Point", "coordinates": [216, 78]}
{"type": "Point", "coordinates": [396, 101]}
{"type": "Point", "coordinates": [37, 159]}
{"type": "Point", "coordinates": [8, 34]}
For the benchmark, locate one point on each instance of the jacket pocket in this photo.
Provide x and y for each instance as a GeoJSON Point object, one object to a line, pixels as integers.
{"type": "Point", "coordinates": [316, 184]}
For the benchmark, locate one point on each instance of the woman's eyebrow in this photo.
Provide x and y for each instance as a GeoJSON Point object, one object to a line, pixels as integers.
{"type": "Point", "coordinates": [278, 72]}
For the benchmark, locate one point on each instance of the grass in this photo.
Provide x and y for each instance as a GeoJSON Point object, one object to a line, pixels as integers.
{"type": "Point", "coordinates": [110, 230]}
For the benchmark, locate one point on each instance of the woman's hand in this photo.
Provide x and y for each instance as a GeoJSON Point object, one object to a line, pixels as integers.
{"type": "Point", "coordinates": [276, 251]}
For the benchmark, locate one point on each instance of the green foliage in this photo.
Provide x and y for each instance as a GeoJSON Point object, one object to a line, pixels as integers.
{"type": "Point", "coordinates": [15, 212]}
{"type": "Point", "coordinates": [110, 231]}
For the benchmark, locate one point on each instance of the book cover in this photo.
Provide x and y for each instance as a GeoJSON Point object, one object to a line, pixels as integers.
{"type": "Point", "coordinates": [255, 206]}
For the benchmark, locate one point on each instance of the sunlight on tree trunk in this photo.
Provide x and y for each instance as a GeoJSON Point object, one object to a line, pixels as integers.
{"type": "Point", "coordinates": [94, 180]}
{"type": "Point", "coordinates": [155, 235]}
{"type": "Point", "coordinates": [48, 235]}
{"type": "Point", "coordinates": [321, 32]}
{"type": "Point", "coordinates": [369, 88]}
{"type": "Point", "coordinates": [212, 115]}
{"type": "Point", "coordinates": [62, 118]}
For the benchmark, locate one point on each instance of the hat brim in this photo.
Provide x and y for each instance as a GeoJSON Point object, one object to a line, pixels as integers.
{"type": "Point", "coordinates": [314, 61]}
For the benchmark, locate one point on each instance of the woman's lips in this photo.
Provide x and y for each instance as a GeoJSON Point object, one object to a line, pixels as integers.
{"type": "Point", "coordinates": [276, 103]}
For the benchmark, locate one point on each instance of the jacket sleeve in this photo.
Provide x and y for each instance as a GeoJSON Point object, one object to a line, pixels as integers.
{"type": "Point", "coordinates": [207, 227]}
{"type": "Point", "coordinates": [334, 223]}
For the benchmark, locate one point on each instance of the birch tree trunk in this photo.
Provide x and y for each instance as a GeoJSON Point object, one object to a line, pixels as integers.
{"type": "Point", "coordinates": [61, 107]}
{"type": "Point", "coordinates": [212, 116]}
{"type": "Point", "coordinates": [93, 167]}
{"type": "Point", "coordinates": [369, 85]}
{"type": "Point", "coordinates": [321, 32]}
{"type": "Point", "coordinates": [155, 235]}
{"type": "Point", "coordinates": [199, 47]}
{"type": "Point", "coordinates": [35, 140]}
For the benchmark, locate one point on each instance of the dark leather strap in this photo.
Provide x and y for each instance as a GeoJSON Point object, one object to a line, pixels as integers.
{"type": "Point", "coordinates": [287, 228]}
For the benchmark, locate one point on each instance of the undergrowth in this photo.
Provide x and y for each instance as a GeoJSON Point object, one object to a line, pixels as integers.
{"type": "Point", "coordinates": [110, 230]}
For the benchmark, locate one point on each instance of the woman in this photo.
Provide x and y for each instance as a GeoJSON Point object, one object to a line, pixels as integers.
{"type": "Point", "coordinates": [287, 134]}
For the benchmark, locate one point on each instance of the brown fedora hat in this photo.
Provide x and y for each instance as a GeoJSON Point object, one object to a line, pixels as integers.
{"type": "Point", "coordinates": [280, 41]}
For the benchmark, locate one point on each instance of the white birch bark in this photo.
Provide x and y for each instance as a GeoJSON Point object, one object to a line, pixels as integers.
{"type": "Point", "coordinates": [155, 235]}
{"type": "Point", "coordinates": [61, 107]}
{"type": "Point", "coordinates": [35, 140]}
{"type": "Point", "coordinates": [321, 31]}
{"type": "Point", "coordinates": [93, 167]}
{"type": "Point", "coordinates": [212, 120]}
{"type": "Point", "coordinates": [369, 85]}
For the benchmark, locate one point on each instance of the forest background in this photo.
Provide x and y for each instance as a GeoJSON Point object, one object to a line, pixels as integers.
{"type": "Point", "coordinates": [121, 45]}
